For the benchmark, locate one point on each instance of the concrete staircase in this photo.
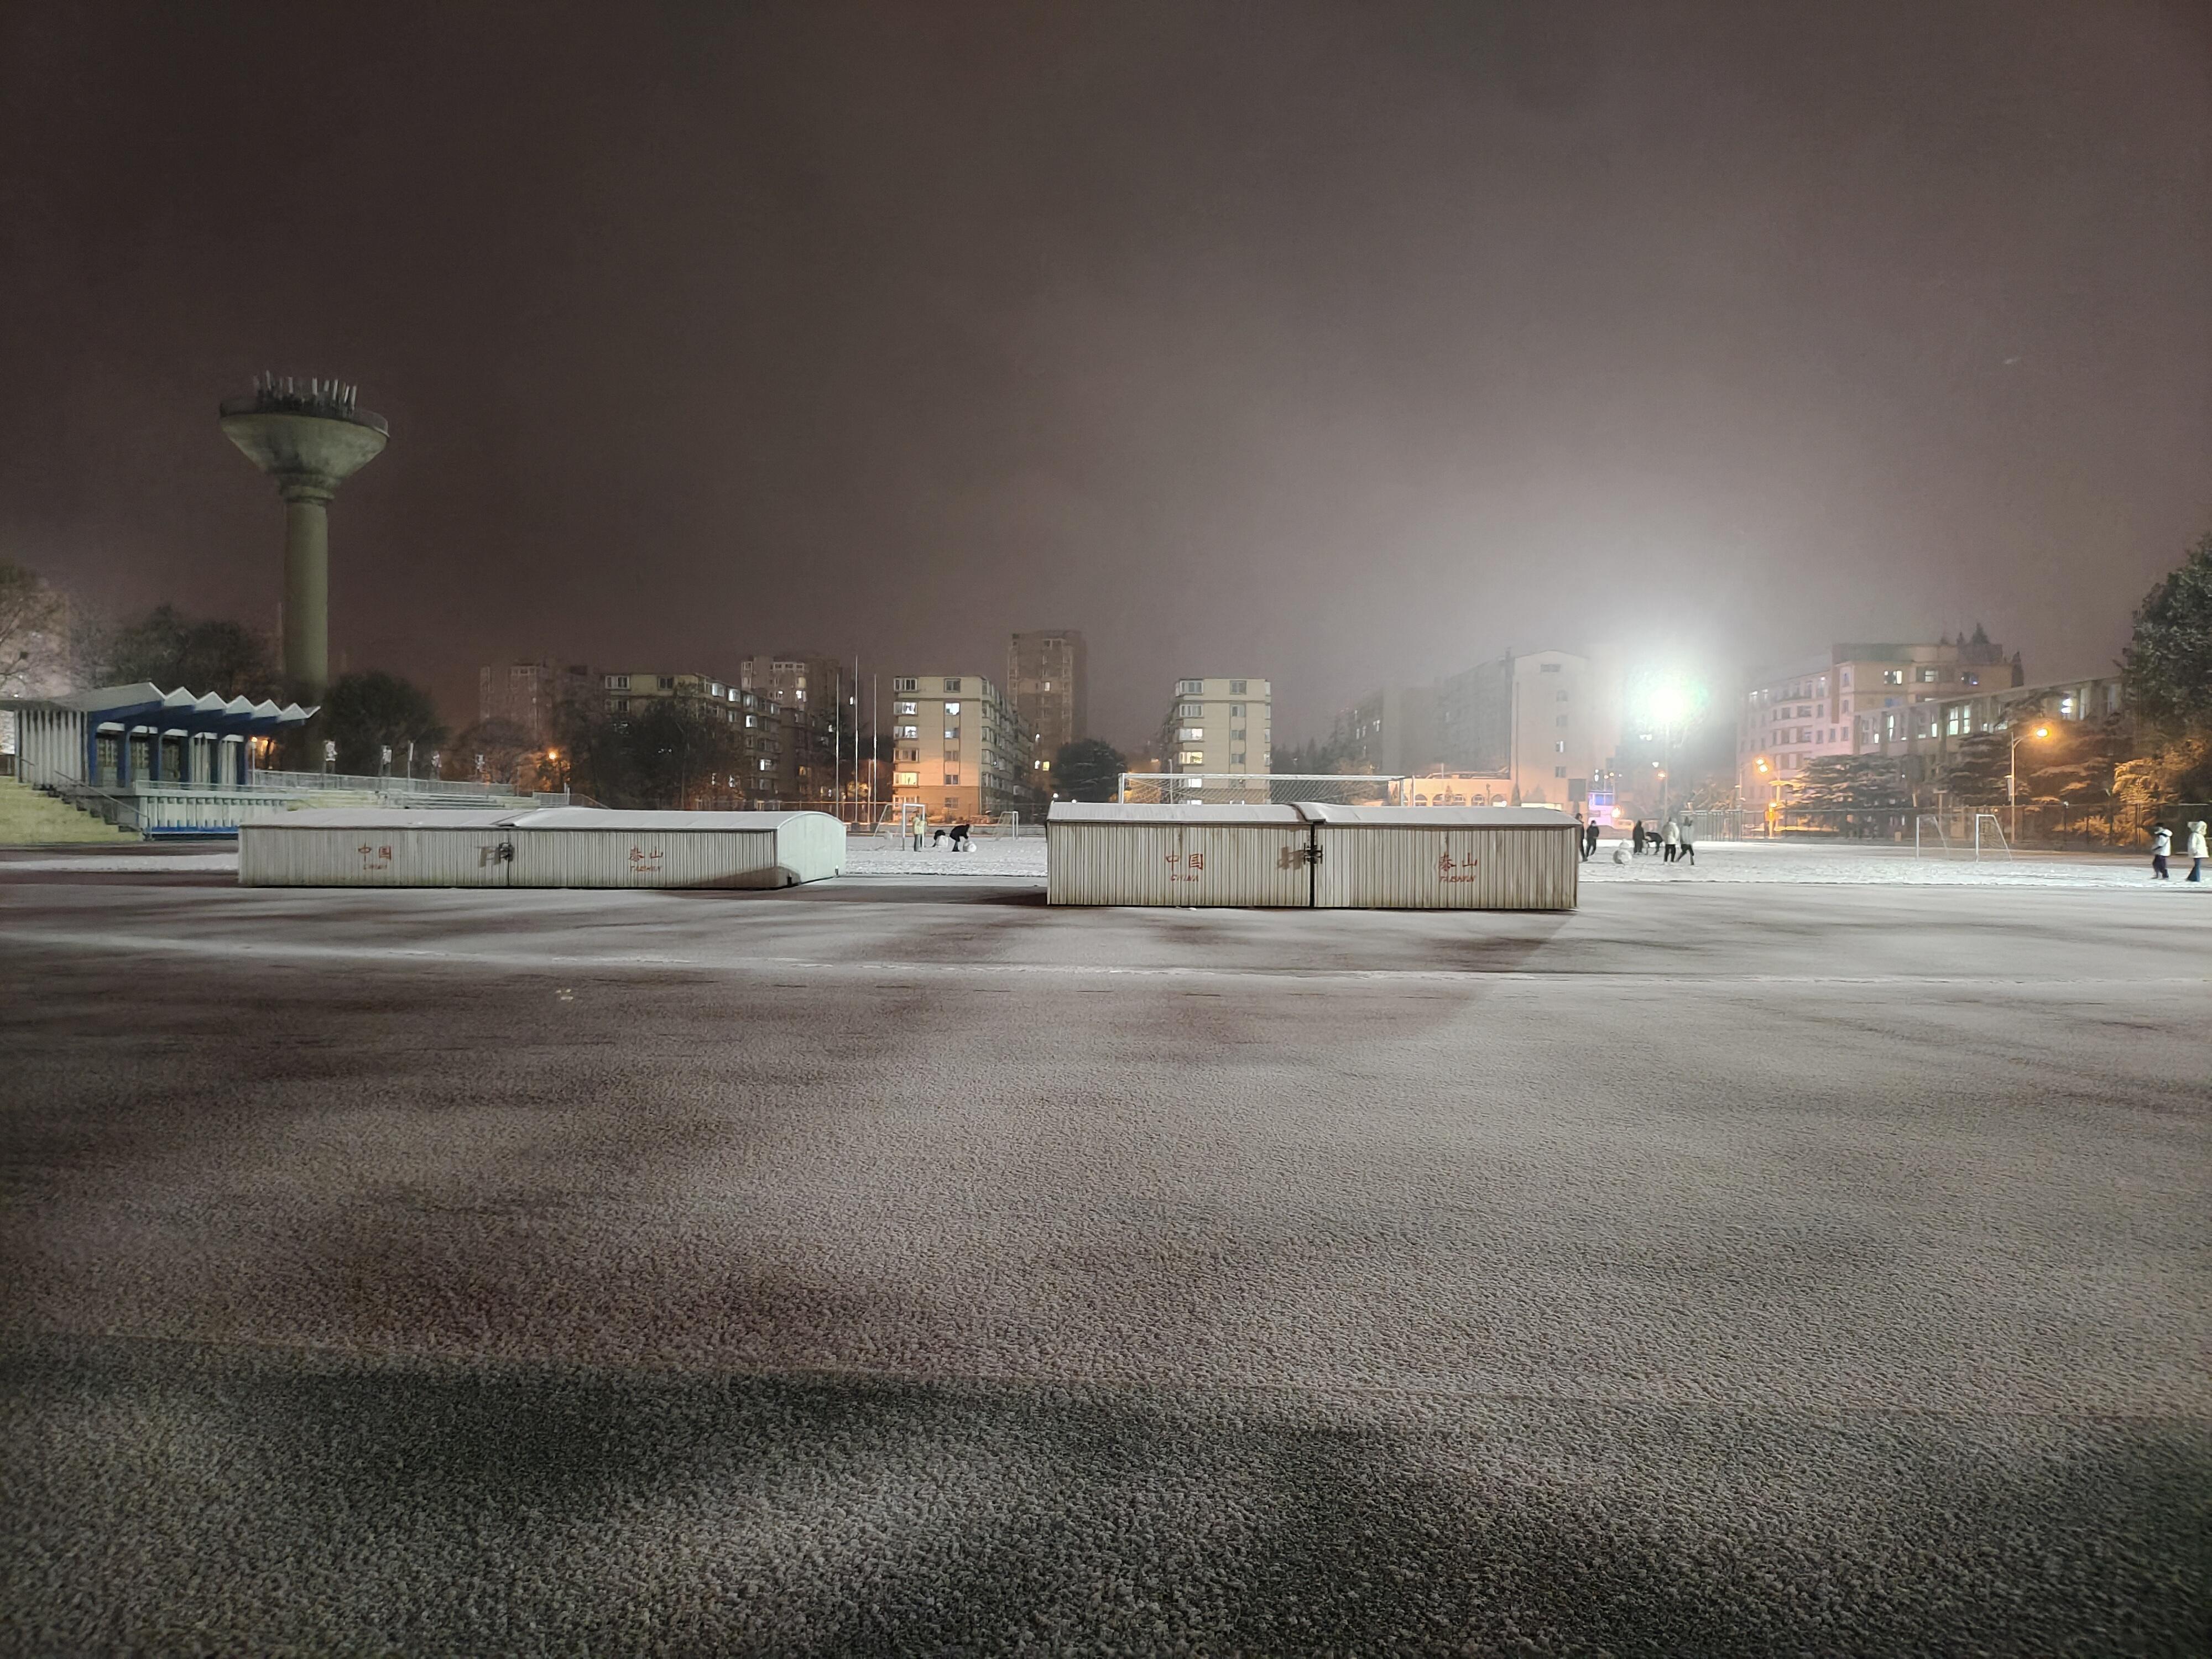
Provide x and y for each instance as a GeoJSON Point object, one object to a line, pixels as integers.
{"type": "Point", "coordinates": [29, 819]}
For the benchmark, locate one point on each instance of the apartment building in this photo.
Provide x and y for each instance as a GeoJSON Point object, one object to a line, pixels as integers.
{"type": "Point", "coordinates": [1926, 735]}
{"type": "Point", "coordinates": [1220, 725]}
{"type": "Point", "coordinates": [1548, 721]}
{"type": "Point", "coordinates": [767, 772]}
{"type": "Point", "coordinates": [813, 693]}
{"type": "Point", "coordinates": [957, 746]}
{"type": "Point", "coordinates": [528, 695]}
{"type": "Point", "coordinates": [1851, 699]}
{"type": "Point", "coordinates": [1047, 678]}
{"type": "Point", "coordinates": [1391, 731]}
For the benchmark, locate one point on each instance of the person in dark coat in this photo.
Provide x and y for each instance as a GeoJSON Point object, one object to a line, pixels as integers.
{"type": "Point", "coordinates": [1639, 837]}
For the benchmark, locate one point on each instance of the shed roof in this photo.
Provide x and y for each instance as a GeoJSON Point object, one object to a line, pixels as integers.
{"type": "Point", "coordinates": [1440, 817]}
{"type": "Point", "coordinates": [549, 818]}
{"type": "Point", "coordinates": [383, 818]}
{"type": "Point", "coordinates": [600, 817]}
{"type": "Point", "coordinates": [1114, 811]}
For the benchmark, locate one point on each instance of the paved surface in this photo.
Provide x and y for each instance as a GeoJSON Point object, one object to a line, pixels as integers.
{"type": "Point", "coordinates": [901, 1267]}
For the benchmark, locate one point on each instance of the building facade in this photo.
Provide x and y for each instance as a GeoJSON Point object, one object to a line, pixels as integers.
{"type": "Point", "coordinates": [1547, 720]}
{"type": "Point", "coordinates": [814, 694]}
{"type": "Point", "coordinates": [1850, 700]}
{"type": "Point", "coordinates": [528, 695]}
{"type": "Point", "coordinates": [1925, 736]}
{"type": "Point", "coordinates": [1048, 682]}
{"type": "Point", "coordinates": [1223, 724]}
{"type": "Point", "coordinates": [957, 747]}
{"type": "Point", "coordinates": [1390, 731]}
{"type": "Point", "coordinates": [766, 772]}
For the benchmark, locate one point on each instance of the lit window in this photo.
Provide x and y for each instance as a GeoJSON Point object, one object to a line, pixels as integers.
{"type": "Point", "coordinates": [1191, 734]}
{"type": "Point", "coordinates": [951, 708]}
{"type": "Point", "coordinates": [1192, 757]}
{"type": "Point", "coordinates": [906, 709]}
{"type": "Point", "coordinates": [907, 731]}
{"type": "Point", "coordinates": [906, 777]}
{"type": "Point", "coordinates": [953, 732]}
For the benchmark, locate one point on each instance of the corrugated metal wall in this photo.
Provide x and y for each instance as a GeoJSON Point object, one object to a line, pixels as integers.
{"type": "Point", "coordinates": [441, 855]}
{"type": "Point", "coordinates": [645, 858]}
{"type": "Point", "coordinates": [1170, 863]}
{"type": "Point", "coordinates": [435, 850]}
{"type": "Point", "coordinates": [1368, 866]}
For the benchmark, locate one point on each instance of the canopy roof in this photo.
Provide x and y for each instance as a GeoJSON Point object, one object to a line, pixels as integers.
{"type": "Point", "coordinates": [146, 704]}
{"type": "Point", "coordinates": [1114, 811]}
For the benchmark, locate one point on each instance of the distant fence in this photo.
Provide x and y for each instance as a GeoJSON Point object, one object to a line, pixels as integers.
{"type": "Point", "coordinates": [2051, 826]}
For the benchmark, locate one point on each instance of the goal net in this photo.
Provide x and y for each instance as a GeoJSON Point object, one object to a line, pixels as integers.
{"type": "Point", "coordinates": [1265, 789]}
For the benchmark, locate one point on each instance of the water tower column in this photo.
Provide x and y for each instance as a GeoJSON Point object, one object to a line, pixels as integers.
{"type": "Point", "coordinates": [308, 589]}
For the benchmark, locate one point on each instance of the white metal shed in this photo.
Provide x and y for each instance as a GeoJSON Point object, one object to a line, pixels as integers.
{"type": "Point", "coordinates": [559, 847]}
{"type": "Point", "coordinates": [1118, 852]}
{"type": "Point", "coordinates": [1311, 855]}
{"type": "Point", "coordinates": [1444, 858]}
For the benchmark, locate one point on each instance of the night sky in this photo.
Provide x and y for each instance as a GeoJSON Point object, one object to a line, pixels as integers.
{"type": "Point", "coordinates": [1332, 344]}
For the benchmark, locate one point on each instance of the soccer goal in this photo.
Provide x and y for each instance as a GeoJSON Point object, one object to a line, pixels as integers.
{"type": "Point", "coordinates": [1988, 833]}
{"type": "Point", "coordinates": [1933, 824]}
{"type": "Point", "coordinates": [1263, 788]}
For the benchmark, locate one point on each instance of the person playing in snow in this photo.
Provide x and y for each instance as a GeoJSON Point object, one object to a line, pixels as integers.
{"type": "Point", "coordinates": [960, 844]}
{"type": "Point", "coordinates": [2161, 843]}
{"type": "Point", "coordinates": [2198, 852]}
{"type": "Point", "coordinates": [1673, 833]}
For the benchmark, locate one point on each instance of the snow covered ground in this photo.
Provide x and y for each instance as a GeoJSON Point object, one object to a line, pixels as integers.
{"type": "Point", "coordinates": [1755, 861]}
{"type": "Point", "coordinates": [1879, 866]}
{"type": "Point", "coordinates": [866, 855]}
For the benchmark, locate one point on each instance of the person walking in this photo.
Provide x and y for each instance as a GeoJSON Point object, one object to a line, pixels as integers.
{"type": "Point", "coordinates": [2161, 843]}
{"type": "Point", "coordinates": [1591, 845]}
{"type": "Point", "coordinates": [1687, 852]}
{"type": "Point", "coordinates": [2198, 852]}
{"type": "Point", "coordinates": [1673, 834]}
{"type": "Point", "coordinates": [1582, 837]}
{"type": "Point", "coordinates": [921, 824]}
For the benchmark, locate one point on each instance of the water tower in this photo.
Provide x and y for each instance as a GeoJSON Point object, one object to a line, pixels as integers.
{"type": "Point", "coordinates": [310, 437]}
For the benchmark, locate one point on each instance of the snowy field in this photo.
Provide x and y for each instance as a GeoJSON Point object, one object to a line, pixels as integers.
{"type": "Point", "coordinates": [900, 1265]}
{"type": "Point", "coordinates": [1717, 861]}
{"type": "Point", "coordinates": [1753, 862]}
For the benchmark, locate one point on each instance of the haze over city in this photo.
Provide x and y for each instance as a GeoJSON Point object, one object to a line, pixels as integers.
{"type": "Point", "coordinates": [1120, 827]}
{"type": "Point", "coordinates": [1335, 343]}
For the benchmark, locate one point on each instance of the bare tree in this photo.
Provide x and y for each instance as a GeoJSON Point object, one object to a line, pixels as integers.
{"type": "Point", "coordinates": [34, 632]}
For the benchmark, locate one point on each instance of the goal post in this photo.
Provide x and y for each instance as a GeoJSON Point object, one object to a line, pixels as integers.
{"type": "Point", "coordinates": [1264, 789]}
{"type": "Point", "coordinates": [1989, 832]}
{"type": "Point", "coordinates": [1930, 820]}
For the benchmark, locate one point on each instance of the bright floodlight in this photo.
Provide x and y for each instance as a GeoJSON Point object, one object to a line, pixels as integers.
{"type": "Point", "coordinates": [1668, 704]}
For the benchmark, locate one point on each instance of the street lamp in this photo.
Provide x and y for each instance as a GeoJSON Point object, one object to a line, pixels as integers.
{"type": "Point", "coordinates": [2012, 780]}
